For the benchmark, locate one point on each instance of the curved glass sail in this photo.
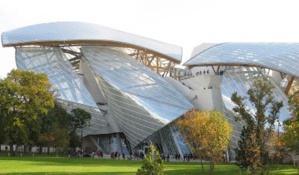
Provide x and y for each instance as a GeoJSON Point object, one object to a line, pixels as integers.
{"type": "Point", "coordinates": [78, 32]}
{"type": "Point", "coordinates": [140, 99]}
{"type": "Point", "coordinates": [51, 61]}
{"type": "Point", "coordinates": [283, 57]}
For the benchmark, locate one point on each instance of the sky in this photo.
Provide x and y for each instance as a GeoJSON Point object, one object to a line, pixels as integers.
{"type": "Point", "coordinates": [186, 23]}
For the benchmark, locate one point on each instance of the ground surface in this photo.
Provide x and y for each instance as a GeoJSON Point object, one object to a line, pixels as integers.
{"type": "Point", "coordinates": [63, 165]}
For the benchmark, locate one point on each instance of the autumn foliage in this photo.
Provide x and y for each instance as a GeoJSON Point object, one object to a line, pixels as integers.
{"type": "Point", "coordinates": [208, 134]}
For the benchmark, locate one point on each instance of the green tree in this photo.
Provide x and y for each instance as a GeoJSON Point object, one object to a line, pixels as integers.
{"type": "Point", "coordinates": [152, 163]}
{"type": "Point", "coordinates": [294, 103]}
{"type": "Point", "coordinates": [25, 96]}
{"type": "Point", "coordinates": [291, 137]}
{"type": "Point", "coordinates": [56, 126]}
{"type": "Point", "coordinates": [255, 133]}
{"type": "Point", "coordinates": [208, 134]}
{"type": "Point", "coordinates": [291, 126]}
{"type": "Point", "coordinates": [2, 116]}
{"type": "Point", "coordinates": [2, 125]}
{"type": "Point", "coordinates": [74, 139]}
{"type": "Point", "coordinates": [81, 119]}
{"type": "Point", "coordinates": [243, 149]}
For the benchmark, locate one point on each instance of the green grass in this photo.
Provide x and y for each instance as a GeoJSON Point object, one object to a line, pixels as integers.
{"type": "Point", "coordinates": [63, 165]}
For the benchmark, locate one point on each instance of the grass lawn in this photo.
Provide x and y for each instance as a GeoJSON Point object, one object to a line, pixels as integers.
{"type": "Point", "coordinates": [63, 165]}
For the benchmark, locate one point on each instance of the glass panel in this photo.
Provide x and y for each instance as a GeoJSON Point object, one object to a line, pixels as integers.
{"type": "Point", "coordinates": [50, 60]}
{"type": "Point", "coordinates": [282, 57]}
{"type": "Point", "coordinates": [140, 99]}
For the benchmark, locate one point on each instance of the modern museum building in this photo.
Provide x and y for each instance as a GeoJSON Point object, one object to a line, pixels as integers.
{"type": "Point", "coordinates": [135, 87]}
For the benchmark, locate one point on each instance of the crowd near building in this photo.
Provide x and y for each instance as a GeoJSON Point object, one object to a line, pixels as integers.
{"type": "Point", "coordinates": [135, 87]}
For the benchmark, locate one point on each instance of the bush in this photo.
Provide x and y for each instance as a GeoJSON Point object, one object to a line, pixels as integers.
{"type": "Point", "coordinates": [152, 163]}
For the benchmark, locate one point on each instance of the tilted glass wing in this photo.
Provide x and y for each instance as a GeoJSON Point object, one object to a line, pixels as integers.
{"type": "Point", "coordinates": [77, 32]}
{"type": "Point", "coordinates": [283, 57]}
{"type": "Point", "coordinates": [140, 99]}
{"type": "Point", "coordinates": [51, 61]}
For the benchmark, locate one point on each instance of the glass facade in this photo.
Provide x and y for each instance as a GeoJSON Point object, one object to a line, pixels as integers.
{"type": "Point", "coordinates": [140, 100]}
{"type": "Point", "coordinates": [52, 61]}
{"type": "Point", "coordinates": [283, 57]}
{"type": "Point", "coordinates": [70, 90]}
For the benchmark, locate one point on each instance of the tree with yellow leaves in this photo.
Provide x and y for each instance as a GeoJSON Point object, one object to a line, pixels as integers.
{"type": "Point", "coordinates": [208, 134]}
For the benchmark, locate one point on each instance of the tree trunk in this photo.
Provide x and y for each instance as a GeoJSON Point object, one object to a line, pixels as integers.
{"type": "Point", "coordinates": [11, 151]}
{"type": "Point", "coordinates": [30, 149]}
{"type": "Point", "coordinates": [211, 167]}
{"type": "Point", "coordinates": [202, 167]}
{"type": "Point", "coordinates": [16, 150]}
{"type": "Point", "coordinates": [25, 149]}
{"type": "Point", "coordinates": [40, 149]}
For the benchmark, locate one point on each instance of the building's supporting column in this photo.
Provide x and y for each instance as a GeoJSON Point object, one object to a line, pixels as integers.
{"type": "Point", "coordinates": [288, 88]}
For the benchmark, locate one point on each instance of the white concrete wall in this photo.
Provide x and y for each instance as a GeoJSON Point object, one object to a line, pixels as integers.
{"type": "Point", "coordinates": [34, 149]}
{"type": "Point", "coordinates": [205, 86]}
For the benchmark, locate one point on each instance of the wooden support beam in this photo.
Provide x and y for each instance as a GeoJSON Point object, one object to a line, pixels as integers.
{"type": "Point", "coordinates": [288, 88]}
{"type": "Point", "coordinates": [71, 52]}
{"type": "Point", "coordinates": [90, 43]}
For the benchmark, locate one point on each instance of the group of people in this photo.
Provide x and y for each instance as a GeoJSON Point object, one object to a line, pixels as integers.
{"type": "Point", "coordinates": [203, 72]}
{"type": "Point", "coordinates": [186, 157]}
{"type": "Point", "coordinates": [165, 157]}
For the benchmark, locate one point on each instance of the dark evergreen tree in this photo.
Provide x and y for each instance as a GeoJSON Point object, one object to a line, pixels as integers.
{"type": "Point", "coordinates": [81, 118]}
{"type": "Point", "coordinates": [258, 122]}
{"type": "Point", "coordinates": [242, 148]}
{"type": "Point", "coordinates": [74, 139]}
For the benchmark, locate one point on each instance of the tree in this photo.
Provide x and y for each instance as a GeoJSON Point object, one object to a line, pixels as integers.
{"type": "Point", "coordinates": [80, 119]}
{"type": "Point", "coordinates": [2, 125]}
{"type": "Point", "coordinates": [207, 133]}
{"type": "Point", "coordinates": [294, 103]}
{"type": "Point", "coordinates": [56, 126]}
{"type": "Point", "coordinates": [152, 163]}
{"type": "Point", "coordinates": [291, 126]}
{"type": "Point", "coordinates": [2, 133]}
{"type": "Point", "coordinates": [74, 139]}
{"type": "Point", "coordinates": [255, 133]}
{"type": "Point", "coordinates": [291, 137]}
{"type": "Point", "coordinates": [25, 96]}
{"type": "Point", "coordinates": [276, 147]}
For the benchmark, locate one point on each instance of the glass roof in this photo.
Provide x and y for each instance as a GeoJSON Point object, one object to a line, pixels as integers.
{"type": "Point", "coordinates": [79, 31]}
{"type": "Point", "coordinates": [137, 81]}
{"type": "Point", "coordinates": [52, 61]}
{"type": "Point", "coordinates": [283, 57]}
